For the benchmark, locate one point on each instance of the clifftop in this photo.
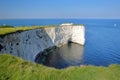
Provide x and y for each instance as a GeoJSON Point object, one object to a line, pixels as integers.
{"type": "Point", "coordinates": [4, 30]}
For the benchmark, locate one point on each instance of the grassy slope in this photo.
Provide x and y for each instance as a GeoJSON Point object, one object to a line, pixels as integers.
{"type": "Point", "coordinates": [12, 68]}
{"type": "Point", "coordinates": [8, 30]}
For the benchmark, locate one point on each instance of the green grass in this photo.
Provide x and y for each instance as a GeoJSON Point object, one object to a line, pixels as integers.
{"type": "Point", "coordinates": [7, 30]}
{"type": "Point", "coordinates": [10, 29]}
{"type": "Point", "coordinates": [13, 68]}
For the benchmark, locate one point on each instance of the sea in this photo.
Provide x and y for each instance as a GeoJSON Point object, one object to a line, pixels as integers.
{"type": "Point", "coordinates": [102, 42]}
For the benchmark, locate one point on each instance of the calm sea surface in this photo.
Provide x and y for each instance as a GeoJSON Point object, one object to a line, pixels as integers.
{"type": "Point", "coordinates": [102, 46]}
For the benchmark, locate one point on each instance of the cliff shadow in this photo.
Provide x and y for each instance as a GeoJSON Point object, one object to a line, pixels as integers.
{"type": "Point", "coordinates": [48, 45]}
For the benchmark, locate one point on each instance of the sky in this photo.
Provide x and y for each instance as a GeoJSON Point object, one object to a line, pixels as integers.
{"type": "Point", "coordinates": [37, 9]}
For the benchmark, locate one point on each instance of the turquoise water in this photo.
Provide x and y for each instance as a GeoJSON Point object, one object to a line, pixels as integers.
{"type": "Point", "coordinates": [102, 46]}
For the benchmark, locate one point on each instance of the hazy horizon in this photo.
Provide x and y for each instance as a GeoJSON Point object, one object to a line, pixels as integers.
{"type": "Point", "coordinates": [56, 18]}
{"type": "Point", "coordinates": [59, 9]}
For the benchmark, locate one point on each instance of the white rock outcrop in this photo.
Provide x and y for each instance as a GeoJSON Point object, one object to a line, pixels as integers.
{"type": "Point", "coordinates": [28, 44]}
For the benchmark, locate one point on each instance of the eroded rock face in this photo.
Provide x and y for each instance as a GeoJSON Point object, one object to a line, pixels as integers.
{"type": "Point", "coordinates": [28, 44]}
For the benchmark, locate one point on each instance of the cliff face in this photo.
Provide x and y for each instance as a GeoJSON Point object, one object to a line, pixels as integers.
{"type": "Point", "coordinates": [28, 44]}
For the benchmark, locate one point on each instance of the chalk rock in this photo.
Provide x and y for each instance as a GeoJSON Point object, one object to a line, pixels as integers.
{"type": "Point", "coordinates": [28, 44]}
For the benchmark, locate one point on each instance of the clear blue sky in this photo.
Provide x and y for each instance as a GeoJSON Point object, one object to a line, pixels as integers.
{"type": "Point", "coordinates": [14, 9]}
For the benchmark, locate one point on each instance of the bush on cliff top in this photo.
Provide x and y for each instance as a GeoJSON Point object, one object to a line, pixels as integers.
{"type": "Point", "coordinates": [13, 68]}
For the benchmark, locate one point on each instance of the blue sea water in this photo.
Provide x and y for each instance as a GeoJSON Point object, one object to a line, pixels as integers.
{"type": "Point", "coordinates": [102, 46]}
{"type": "Point", "coordinates": [43, 22]}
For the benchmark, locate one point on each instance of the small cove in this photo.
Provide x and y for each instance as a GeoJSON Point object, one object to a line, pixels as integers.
{"type": "Point", "coordinates": [70, 54]}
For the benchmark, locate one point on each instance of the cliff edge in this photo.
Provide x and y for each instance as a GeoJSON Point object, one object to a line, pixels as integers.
{"type": "Point", "coordinates": [27, 44]}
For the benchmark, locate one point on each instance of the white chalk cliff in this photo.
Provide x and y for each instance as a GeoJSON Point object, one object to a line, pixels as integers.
{"type": "Point", "coordinates": [28, 44]}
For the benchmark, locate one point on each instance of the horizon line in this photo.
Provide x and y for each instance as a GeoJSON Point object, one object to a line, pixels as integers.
{"type": "Point", "coordinates": [54, 18]}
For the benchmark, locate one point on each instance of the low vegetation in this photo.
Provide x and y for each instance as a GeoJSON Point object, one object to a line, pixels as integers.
{"type": "Point", "coordinates": [9, 29]}
{"type": "Point", "coordinates": [13, 68]}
